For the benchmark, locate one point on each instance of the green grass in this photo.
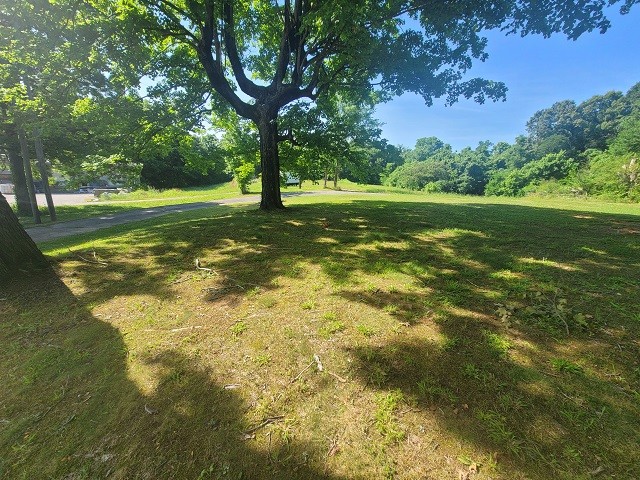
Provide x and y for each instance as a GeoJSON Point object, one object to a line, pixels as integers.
{"type": "Point", "coordinates": [455, 334]}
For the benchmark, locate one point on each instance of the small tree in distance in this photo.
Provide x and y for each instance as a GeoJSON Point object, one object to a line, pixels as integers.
{"type": "Point", "coordinates": [263, 55]}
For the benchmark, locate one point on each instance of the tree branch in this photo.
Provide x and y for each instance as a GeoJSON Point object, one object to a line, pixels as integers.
{"type": "Point", "coordinates": [177, 28]}
{"type": "Point", "coordinates": [284, 52]}
{"type": "Point", "coordinates": [246, 85]}
{"type": "Point", "coordinates": [215, 74]}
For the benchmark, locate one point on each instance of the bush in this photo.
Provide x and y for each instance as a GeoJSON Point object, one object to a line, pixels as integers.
{"type": "Point", "coordinates": [513, 182]}
{"type": "Point", "coordinates": [243, 176]}
{"type": "Point", "coordinates": [611, 176]}
{"type": "Point", "coordinates": [416, 175]}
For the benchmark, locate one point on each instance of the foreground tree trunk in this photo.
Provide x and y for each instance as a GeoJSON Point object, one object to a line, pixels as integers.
{"type": "Point", "coordinates": [18, 253]}
{"type": "Point", "coordinates": [270, 164]}
{"type": "Point", "coordinates": [17, 171]}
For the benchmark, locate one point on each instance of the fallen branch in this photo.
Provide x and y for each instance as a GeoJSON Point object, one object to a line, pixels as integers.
{"type": "Point", "coordinates": [264, 423]}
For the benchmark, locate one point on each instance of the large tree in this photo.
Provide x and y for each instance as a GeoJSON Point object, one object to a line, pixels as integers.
{"type": "Point", "coordinates": [262, 55]}
{"type": "Point", "coordinates": [18, 253]}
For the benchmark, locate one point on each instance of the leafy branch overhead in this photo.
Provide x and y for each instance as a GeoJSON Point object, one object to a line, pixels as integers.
{"type": "Point", "coordinates": [277, 53]}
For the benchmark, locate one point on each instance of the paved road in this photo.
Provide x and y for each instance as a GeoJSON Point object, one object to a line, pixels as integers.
{"type": "Point", "coordinates": [52, 231]}
{"type": "Point", "coordinates": [58, 199]}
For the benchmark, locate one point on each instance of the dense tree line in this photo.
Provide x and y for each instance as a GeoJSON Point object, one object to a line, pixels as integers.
{"type": "Point", "coordinates": [590, 148]}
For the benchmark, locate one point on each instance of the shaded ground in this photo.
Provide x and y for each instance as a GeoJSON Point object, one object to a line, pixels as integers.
{"type": "Point", "coordinates": [458, 341]}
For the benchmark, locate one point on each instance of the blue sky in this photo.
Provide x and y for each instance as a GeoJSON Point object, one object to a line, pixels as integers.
{"type": "Point", "coordinates": [537, 72]}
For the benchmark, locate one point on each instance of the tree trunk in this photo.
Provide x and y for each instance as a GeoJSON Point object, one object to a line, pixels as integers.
{"type": "Point", "coordinates": [28, 173]}
{"type": "Point", "coordinates": [18, 253]}
{"type": "Point", "coordinates": [17, 171]}
{"type": "Point", "coordinates": [270, 164]}
{"type": "Point", "coordinates": [44, 175]}
{"type": "Point", "coordinates": [42, 166]}
{"type": "Point", "coordinates": [335, 175]}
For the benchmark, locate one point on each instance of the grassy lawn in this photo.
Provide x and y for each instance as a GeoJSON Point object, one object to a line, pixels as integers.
{"type": "Point", "coordinates": [355, 337]}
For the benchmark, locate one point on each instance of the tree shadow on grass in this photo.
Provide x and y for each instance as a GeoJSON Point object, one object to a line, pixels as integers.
{"type": "Point", "coordinates": [72, 407]}
{"type": "Point", "coordinates": [513, 408]}
{"type": "Point", "coordinates": [500, 283]}
{"type": "Point", "coordinates": [253, 248]}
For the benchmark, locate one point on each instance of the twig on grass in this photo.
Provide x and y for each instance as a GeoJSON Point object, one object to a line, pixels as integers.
{"type": "Point", "coordinates": [318, 362]}
{"type": "Point", "coordinates": [180, 280]}
{"type": "Point", "coordinates": [563, 320]}
{"type": "Point", "coordinates": [199, 267]}
{"type": "Point", "coordinates": [96, 261]}
{"type": "Point", "coordinates": [194, 327]}
{"type": "Point", "coordinates": [70, 419]}
{"type": "Point", "coordinates": [293, 380]}
{"type": "Point", "coordinates": [337, 377]}
{"type": "Point", "coordinates": [264, 423]}
{"type": "Point", "coordinates": [173, 330]}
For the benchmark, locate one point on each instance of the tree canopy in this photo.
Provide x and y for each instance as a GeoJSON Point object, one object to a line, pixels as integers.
{"type": "Point", "coordinates": [261, 56]}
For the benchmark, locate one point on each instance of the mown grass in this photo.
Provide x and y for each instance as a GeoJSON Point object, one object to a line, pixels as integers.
{"type": "Point", "coordinates": [458, 337]}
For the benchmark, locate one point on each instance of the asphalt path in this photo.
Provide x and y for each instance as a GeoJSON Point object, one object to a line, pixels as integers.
{"type": "Point", "coordinates": [59, 199]}
{"type": "Point", "coordinates": [45, 233]}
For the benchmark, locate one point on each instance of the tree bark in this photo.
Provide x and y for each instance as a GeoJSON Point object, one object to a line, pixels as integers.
{"type": "Point", "coordinates": [44, 174]}
{"type": "Point", "coordinates": [270, 164]}
{"type": "Point", "coordinates": [17, 171]}
{"type": "Point", "coordinates": [28, 173]}
{"type": "Point", "coordinates": [18, 253]}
